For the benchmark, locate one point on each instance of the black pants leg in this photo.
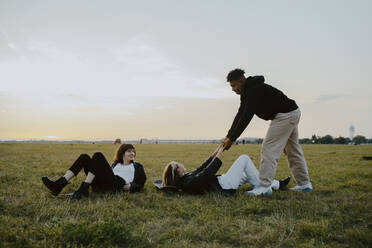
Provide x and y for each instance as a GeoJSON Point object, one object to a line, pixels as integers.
{"type": "Point", "coordinates": [104, 177]}
{"type": "Point", "coordinates": [97, 165]}
{"type": "Point", "coordinates": [83, 161]}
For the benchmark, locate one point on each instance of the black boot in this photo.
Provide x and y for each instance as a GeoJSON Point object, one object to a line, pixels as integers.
{"type": "Point", "coordinates": [54, 186]}
{"type": "Point", "coordinates": [83, 191]}
{"type": "Point", "coordinates": [284, 182]}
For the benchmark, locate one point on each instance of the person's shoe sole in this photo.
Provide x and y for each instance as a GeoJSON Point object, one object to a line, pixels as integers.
{"type": "Point", "coordinates": [268, 193]}
{"type": "Point", "coordinates": [76, 196]}
{"type": "Point", "coordinates": [307, 190]}
{"type": "Point", "coordinates": [73, 196]}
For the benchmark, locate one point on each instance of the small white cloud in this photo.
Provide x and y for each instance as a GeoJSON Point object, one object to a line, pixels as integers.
{"type": "Point", "coordinates": [163, 107]}
{"type": "Point", "coordinates": [12, 45]}
{"type": "Point", "coordinates": [87, 109]}
{"type": "Point", "coordinates": [51, 137]}
{"type": "Point", "coordinates": [314, 98]}
{"type": "Point", "coordinates": [329, 97]}
{"type": "Point", "coordinates": [148, 72]}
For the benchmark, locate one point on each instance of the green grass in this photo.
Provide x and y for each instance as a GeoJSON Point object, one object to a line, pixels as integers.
{"type": "Point", "coordinates": [337, 214]}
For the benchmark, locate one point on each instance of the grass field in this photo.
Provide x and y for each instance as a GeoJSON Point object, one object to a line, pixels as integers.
{"type": "Point", "coordinates": [337, 214]}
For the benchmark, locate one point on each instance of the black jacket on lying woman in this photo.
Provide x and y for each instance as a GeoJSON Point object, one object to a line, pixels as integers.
{"type": "Point", "coordinates": [203, 179]}
{"type": "Point", "coordinates": [139, 177]}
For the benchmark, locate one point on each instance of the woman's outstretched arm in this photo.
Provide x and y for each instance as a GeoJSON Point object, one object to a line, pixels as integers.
{"type": "Point", "coordinates": [206, 162]}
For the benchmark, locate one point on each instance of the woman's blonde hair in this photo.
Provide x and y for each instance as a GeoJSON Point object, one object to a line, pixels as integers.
{"type": "Point", "coordinates": [171, 176]}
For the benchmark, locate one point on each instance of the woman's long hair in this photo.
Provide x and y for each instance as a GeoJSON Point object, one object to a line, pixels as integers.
{"type": "Point", "coordinates": [118, 158]}
{"type": "Point", "coordinates": [170, 174]}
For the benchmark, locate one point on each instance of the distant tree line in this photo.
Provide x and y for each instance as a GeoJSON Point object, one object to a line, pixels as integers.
{"type": "Point", "coordinates": [328, 139]}
{"type": "Point", "coordinates": [249, 141]}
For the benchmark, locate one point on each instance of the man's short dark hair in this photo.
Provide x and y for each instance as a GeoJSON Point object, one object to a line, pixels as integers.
{"type": "Point", "coordinates": [235, 74]}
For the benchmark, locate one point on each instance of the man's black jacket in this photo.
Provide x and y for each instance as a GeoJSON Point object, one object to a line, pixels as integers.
{"type": "Point", "coordinates": [261, 99]}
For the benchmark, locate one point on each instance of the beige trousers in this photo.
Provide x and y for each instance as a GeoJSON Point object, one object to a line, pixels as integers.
{"type": "Point", "coordinates": [282, 135]}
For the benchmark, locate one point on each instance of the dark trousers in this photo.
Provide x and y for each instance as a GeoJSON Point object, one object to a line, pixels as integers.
{"type": "Point", "coordinates": [104, 179]}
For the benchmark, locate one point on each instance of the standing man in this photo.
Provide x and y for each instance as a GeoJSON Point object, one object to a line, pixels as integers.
{"type": "Point", "coordinates": [269, 103]}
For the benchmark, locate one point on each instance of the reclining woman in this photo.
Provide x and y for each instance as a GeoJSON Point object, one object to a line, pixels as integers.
{"type": "Point", "coordinates": [123, 175]}
{"type": "Point", "coordinates": [204, 178]}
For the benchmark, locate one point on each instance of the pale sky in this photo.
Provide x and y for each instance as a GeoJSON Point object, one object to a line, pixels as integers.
{"type": "Point", "coordinates": [157, 69]}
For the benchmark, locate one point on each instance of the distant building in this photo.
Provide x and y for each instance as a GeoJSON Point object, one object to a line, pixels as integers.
{"type": "Point", "coordinates": [351, 132]}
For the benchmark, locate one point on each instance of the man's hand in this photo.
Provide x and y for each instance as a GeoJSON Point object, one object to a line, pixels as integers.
{"type": "Point", "coordinates": [226, 143]}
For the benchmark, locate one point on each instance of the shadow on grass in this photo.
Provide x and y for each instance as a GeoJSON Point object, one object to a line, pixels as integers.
{"type": "Point", "coordinates": [7, 179]}
{"type": "Point", "coordinates": [2, 207]}
{"type": "Point", "coordinates": [112, 233]}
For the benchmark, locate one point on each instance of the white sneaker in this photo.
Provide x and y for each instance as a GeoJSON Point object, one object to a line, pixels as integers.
{"type": "Point", "coordinates": [304, 188]}
{"type": "Point", "coordinates": [259, 190]}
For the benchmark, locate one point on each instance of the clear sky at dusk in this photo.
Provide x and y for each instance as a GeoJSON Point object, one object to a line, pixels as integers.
{"type": "Point", "coordinates": [157, 69]}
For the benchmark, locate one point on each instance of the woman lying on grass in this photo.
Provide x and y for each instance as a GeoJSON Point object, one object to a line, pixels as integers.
{"type": "Point", "coordinates": [204, 178]}
{"type": "Point", "coordinates": [123, 175]}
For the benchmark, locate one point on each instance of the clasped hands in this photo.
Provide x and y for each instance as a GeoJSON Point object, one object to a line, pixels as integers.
{"type": "Point", "coordinates": [226, 143]}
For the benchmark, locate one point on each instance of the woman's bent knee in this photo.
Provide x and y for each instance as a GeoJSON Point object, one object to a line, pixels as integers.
{"type": "Point", "coordinates": [244, 157]}
{"type": "Point", "coordinates": [98, 155]}
{"type": "Point", "coordinates": [84, 156]}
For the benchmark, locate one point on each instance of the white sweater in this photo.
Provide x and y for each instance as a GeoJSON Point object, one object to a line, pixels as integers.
{"type": "Point", "coordinates": [125, 171]}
